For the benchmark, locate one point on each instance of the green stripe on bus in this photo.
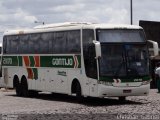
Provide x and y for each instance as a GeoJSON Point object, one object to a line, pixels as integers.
{"type": "Point", "coordinates": [79, 60]}
{"type": "Point", "coordinates": [20, 60]}
{"type": "Point", "coordinates": [10, 61]}
{"type": "Point", "coordinates": [45, 61]}
{"type": "Point", "coordinates": [32, 62]}
{"type": "Point", "coordinates": [60, 61]}
{"type": "Point", "coordinates": [35, 71]}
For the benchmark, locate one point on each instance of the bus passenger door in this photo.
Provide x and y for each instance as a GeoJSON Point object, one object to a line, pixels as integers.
{"type": "Point", "coordinates": [91, 71]}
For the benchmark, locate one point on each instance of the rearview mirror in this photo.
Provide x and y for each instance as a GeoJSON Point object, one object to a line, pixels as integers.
{"type": "Point", "coordinates": [155, 48]}
{"type": "Point", "coordinates": [97, 48]}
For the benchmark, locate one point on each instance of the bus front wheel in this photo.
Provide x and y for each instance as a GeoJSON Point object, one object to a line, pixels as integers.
{"type": "Point", "coordinates": [78, 93]}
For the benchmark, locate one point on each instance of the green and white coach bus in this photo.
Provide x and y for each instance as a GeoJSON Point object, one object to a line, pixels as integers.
{"type": "Point", "coordinates": [82, 59]}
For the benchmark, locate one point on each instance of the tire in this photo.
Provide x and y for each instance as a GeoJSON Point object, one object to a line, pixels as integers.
{"type": "Point", "coordinates": [18, 89]}
{"type": "Point", "coordinates": [78, 93]}
{"type": "Point", "coordinates": [24, 87]}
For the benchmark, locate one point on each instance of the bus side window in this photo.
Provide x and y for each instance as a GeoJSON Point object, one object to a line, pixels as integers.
{"type": "Point", "coordinates": [24, 48]}
{"type": "Point", "coordinates": [11, 44]}
{"type": "Point", "coordinates": [14, 45]}
{"type": "Point", "coordinates": [34, 43]}
{"type": "Point", "coordinates": [59, 43]}
{"type": "Point", "coordinates": [91, 63]}
{"type": "Point", "coordinates": [4, 45]}
{"type": "Point", "coordinates": [73, 42]}
{"type": "Point", "coordinates": [89, 53]}
{"type": "Point", "coordinates": [46, 43]}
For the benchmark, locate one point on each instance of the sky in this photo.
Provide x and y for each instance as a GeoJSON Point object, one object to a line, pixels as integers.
{"type": "Point", "coordinates": [23, 13]}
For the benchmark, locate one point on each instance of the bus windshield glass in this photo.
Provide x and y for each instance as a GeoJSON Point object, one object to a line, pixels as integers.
{"type": "Point", "coordinates": [124, 53]}
{"type": "Point", "coordinates": [124, 60]}
{"type": "Point", "coordinates": [123, 35]}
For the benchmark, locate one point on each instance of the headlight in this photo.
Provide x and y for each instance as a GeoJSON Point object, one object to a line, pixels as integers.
{"type": "Point", "coordinates": [105, 83]}
{"type": "Point", "coordinates": [146, 82]}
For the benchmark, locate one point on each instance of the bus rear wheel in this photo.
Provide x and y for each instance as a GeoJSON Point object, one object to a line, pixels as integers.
{"type": "Point", "coordinates": [17, 85]}
{"type": "Point", "coordinates": [24, 87]}
{"type": "Point", "coordinates": [18, 89]}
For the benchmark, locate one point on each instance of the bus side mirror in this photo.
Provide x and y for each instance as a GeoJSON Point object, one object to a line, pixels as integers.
{"type": "Point", "coordinates": [155, 48]}
{"type": "Point", "coordinates": [97, 48]}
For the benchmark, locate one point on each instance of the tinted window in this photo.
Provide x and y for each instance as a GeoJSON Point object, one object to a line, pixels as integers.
{"type": "Point", "coordinates": [59, 43]}
{"type": "Point", "coordinates": [73, 42]}
{"type": "Point", "coordinates": [67, 42]}
{"type": "Point", "coordinates": [23, 47]}
{"type": "Point", "coordinates": [11, 44]}
{"type": "Point", "coordinates": [112, 62]}
{"type": "Point", "coordinates": [33, 43]}
{"type": "Point", "coordinates": [5, 45]}
{"type": "Point", "coordinates": [15, 45]}
{"type": "Point", "coordinates": [89, 53]}
{"type": "Point", "coordinates": [43, 43]}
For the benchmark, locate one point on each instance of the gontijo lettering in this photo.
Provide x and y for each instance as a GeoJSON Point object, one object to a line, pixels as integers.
{"type": "Point", "coordinates": [62, 61]}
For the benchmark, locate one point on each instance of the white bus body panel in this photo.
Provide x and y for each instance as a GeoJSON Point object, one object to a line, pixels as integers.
{"type": "Point", "coordinates": [49, 81]}
{"type": "Point", "coordinates": [105, 91]}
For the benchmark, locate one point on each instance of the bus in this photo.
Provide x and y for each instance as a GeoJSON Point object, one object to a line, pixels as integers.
{"type": "Point", "coordinates": [79, 59]}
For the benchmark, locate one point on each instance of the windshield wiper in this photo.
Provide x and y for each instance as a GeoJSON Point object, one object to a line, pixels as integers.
{"type": "Point", "coordinates": [116, 73]}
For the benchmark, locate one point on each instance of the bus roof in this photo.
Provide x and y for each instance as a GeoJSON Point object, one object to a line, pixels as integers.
{"type": "Point", "coordinates": [70, 26]}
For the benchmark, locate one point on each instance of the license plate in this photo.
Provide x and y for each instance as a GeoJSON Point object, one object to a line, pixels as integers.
{"type": "Point", "coordinates": [127, 91]}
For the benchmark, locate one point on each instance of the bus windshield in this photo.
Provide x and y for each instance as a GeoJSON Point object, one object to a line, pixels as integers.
{"type": "Point", "coordinates": [124, 53]}
{"type": "Point", "coordinates": [124, 60]}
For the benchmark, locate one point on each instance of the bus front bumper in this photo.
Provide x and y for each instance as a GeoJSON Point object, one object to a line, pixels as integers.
{"type": "Point", "coordinates": [111, 91]}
